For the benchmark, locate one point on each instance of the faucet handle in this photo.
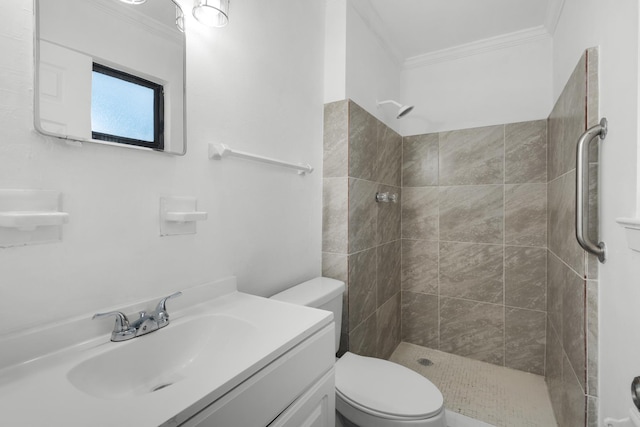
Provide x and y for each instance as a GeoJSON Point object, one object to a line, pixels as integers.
{"type": "Point", "coordinates": [161, 315]}
{"type": "Point", "coordinates": [121, 330]}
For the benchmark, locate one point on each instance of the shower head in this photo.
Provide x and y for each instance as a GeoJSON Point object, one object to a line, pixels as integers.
{"type": "Point", "coordinates": [403, 110]}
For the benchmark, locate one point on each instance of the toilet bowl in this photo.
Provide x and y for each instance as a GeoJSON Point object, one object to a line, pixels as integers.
{"type": "Point", "coordinates": [377, 393]}
{"type": "Point", "coordinates": [370, 392]}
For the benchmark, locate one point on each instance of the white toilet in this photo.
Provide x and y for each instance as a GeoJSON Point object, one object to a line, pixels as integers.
{"type": "Point", "coordinates": [370, 392]}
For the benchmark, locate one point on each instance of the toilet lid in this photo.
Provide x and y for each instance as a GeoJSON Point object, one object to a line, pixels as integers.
{"type": "Point", "coordinates": [386, 388]}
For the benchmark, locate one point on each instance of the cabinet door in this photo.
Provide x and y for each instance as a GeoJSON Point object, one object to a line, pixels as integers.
{"type": "Point", "coordinates": [271, 391]}
{"type": "Point", "coordinates": [315, 408]}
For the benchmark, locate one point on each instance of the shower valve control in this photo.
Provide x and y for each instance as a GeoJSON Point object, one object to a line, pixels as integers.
{"type": "Point", "coordinates": [386, 197]}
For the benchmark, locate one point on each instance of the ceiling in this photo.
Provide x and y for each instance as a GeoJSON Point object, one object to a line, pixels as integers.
{"type": "Point", "coordinates": [419, 27]}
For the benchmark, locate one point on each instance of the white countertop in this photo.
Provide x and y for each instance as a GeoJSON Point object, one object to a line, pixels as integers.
{"type": "Point", "coordinates": [39, 393]}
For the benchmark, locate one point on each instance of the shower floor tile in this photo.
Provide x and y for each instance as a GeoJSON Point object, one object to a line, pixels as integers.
{"type": "Point", "coordinates": [496, 395]}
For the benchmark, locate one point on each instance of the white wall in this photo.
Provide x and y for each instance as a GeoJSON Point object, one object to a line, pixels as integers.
{"type": "Point", "coordinates": [613, 26]}
{"type": "Point", "coordinates": [510, 84]}
{"type": "Point", "coordinates": [255, 85]}
{"type": "Point", "coordinates": [335, 51]}
{"type": "Point", "coordinates": [372, 73]}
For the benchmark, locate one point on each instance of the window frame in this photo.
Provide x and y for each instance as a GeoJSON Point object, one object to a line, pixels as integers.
{"type": "Point", "coordinates": [158, 110]}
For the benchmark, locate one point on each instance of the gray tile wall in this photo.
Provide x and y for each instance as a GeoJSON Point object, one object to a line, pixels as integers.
{"type": "Point", "coordinates": [361, 238]}
{"type": "Point", "coordinates": [474, 236]}
{"type": "Point", "coordinates": [572, 304]}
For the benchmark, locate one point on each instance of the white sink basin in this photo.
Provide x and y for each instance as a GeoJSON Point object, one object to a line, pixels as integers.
{"type": "Point", "coordinates": [218, 339]}
{"type": "Point", "coordinates": [162, 358]}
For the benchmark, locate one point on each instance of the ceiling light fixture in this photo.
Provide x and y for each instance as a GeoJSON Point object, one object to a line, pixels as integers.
{"type": "Point", "coordinates": [179, 19]}
{"type": "Point", "coordinates": [212, 13]}
{"type": "Point", "coordinates": [133, 1]}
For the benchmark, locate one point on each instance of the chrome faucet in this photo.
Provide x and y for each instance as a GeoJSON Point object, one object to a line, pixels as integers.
{"type": "Point", "coordinates": [124, 330]}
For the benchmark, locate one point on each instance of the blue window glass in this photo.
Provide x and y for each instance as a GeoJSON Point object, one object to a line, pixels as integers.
{"type": "Point", "coordinates": [125, 108]}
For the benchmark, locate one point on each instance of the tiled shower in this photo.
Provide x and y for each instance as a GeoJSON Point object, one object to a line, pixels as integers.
{"type": "Point", "coordinates": [572, 324]}
{"type": "Point", "coordinates": [478, 258]}
{"type": "Point", "coordinates": [473, 243]}
{"type": "Point", "coordinates": [361, 238]}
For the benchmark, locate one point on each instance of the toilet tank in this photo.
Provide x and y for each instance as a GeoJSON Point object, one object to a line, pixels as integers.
{"type": "Point", "coordinates": [322, 293]}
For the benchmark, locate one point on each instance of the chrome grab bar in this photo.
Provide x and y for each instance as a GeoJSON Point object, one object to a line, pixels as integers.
{"type": "Point", "coordinates": [582, 185]}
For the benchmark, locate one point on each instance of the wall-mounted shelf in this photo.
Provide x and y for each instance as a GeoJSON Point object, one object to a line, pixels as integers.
{"type": "Point", "coordinates": [220, 151]}
{"type": "Point", "coordinates": [178, 215]}
{"type": "Point", "coordinates": [185, 216]}
{"type": "Point", "coordinates": [29, 217]}
{"type": "Point", "coordinates": [28, 221]}
{"type": "Point", "coordinates": [632, 229]}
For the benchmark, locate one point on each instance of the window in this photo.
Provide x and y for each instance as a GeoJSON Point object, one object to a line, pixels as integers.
{"type": "Point", "coordinates": [126, 109]}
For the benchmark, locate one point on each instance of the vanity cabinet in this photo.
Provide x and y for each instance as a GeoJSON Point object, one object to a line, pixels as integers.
{"type": "Point", "coordinates": [228, 359]}
{"type": "Point", "coordinates": [316, 408]}
{"type": "Point", "coordinates": [297, 389]}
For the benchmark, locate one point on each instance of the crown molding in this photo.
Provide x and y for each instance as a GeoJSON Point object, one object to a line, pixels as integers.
{"type": "Point", "coordinates": [374, 22]}
{"type": "Point", "coordinates": [554, 11]}
{"type": "Point", "coordinates": [477, 47]}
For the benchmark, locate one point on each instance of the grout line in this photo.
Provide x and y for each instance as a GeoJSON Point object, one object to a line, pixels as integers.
{"type": "Point", "coordinates": [504, 240]}
{"type": "Point", "coordinates": [585, 294]}
{"type": "Point", "coordinates": [335, 253]}
{"type": "Point", "coordinates": [546, 258]}
{"type": "Point", "coordinates": [438, 255]}
{"type": "Point", "coordinates": [547, 320]}
{"type": "Point", "coordinates": [562, 176]}
{"type": "Point", "coordinates": [479, 185]}
{"type": "Point", "coordinates": [401, 332]}
{"type": "Point", "coordinates": [567, 265]}
{"type": "Point", "coordinates": [575, 376]}
{"type": "Point", "coordinates": [378, 183]}
{"type": "Point", "coordinates": [469, 185]}
{"type": "Point", "coordinates": [349, 327]}
{"type": "Point", "coordinates": [477, 301]}
{"type": "Point", "coordinates": [475, 243]}
{"type": "Point", "coordinates": [376, 246]}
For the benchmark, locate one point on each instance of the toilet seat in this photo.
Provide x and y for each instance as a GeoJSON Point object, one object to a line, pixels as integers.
{"type": "Point", "coordinates": [384, 389]}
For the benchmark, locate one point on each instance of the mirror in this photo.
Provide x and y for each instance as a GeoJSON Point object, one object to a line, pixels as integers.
{"type": "Point", "coordinates": [111, 72]}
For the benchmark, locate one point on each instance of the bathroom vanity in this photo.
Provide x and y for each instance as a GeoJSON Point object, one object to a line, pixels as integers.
{"type": "Point", "coordinates": [232, 360]}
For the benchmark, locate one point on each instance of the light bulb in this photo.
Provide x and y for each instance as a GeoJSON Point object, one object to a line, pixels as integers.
{"type": "Point", "coordinates": [212, 13]}
{"type": "Point", "coordinates": [179, 19]}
